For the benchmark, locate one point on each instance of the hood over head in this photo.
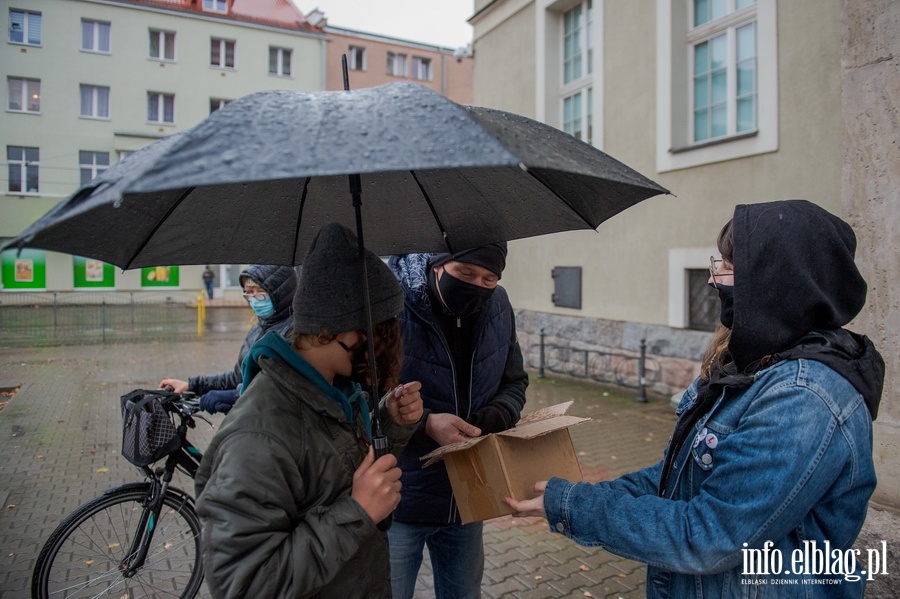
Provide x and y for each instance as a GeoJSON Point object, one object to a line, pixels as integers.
{"type": "Point", "coordinates": [794, 273]}
{"type": "Point", "coordinates": [280, 282]}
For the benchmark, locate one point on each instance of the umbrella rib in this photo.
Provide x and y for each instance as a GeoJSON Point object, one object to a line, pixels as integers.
{"type": "Point", "coordinates": [299, 220]}
{"type": "Point", "coordinates": [433, 212]}
{"type": "Point", "coordinates": [563, 201]}
{"type": "Point", "coordinates": [158, 225]}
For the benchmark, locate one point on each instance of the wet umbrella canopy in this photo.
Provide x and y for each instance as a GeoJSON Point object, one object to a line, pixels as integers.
{"type": "Point", "coordinates": [257, 179]}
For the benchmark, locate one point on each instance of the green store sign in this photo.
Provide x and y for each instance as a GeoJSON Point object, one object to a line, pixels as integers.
{"type": "Point", "coordinates": [159, 276]}
{"type": "Point", "coordinates": [92, 274]}
{"type": "Point", "coordinates": [25, 270]}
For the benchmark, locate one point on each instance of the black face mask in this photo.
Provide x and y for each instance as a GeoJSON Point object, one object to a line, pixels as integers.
{"type": "Point", "coordinates": [726, 297]}
{"type": "Point", "coordinates": [461, 298]}
{"type": "Point", "coordinates": [359, 358]}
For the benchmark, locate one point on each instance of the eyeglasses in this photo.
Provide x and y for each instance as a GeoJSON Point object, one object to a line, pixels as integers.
{"type": "Point", "coordinates": [715, 266]}
{"type": "Point", "coordinates": [258, 295]}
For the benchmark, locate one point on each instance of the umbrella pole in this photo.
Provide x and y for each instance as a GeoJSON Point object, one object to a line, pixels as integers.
{"type": "Point", "coordinates": [379, 440]}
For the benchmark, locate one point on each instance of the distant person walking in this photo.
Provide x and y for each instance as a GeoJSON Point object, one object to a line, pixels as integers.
{"type": "Point", "coordinates": [209, 277]}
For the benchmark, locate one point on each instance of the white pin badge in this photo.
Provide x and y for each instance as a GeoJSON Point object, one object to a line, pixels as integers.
{"type": "Point", "coordinates": [712, 441]}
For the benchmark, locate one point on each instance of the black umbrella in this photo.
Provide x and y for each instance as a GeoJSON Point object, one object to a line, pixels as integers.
{"type": "Point", "coordinates": [258, 178]}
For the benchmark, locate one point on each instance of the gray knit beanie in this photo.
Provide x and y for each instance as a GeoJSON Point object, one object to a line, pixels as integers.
{"type": "Point", "coordinates": [330, 292]}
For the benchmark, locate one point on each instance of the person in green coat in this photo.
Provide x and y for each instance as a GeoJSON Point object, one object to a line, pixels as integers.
{"type": "Point", "coordinates": [289, 492]}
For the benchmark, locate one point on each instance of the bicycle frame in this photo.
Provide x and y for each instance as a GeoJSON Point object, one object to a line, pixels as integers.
{"type": "Point", "coordinates": [188, 459]}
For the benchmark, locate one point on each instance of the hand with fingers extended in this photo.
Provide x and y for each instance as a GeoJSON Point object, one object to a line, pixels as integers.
{"type": "Point", "coordinates": [449, 428]}
{"type": "Point", "coordinates": [404, 404]}
{"type": "Point", "coordinates": [530, 507]}
{"type": "Point", "coordinates": [178, 386]}
{"type": "Point", "coordinates": [376, 485]}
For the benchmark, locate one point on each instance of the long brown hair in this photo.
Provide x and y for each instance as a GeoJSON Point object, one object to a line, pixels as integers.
{"type": "Point", "coordinates": [716, 355]}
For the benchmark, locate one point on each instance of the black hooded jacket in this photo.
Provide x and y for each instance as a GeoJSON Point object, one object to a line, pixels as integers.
{"type": "Point", "coordinates": [280, 282]}
{"type": "Point", "coordinates": [795, 286]}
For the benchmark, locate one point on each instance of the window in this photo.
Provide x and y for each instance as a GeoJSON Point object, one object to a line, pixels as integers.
{"type": "Point", "coordinates": [717, 81]}
{"type": "Point", "coordinates": [577, 69]}
{"type": "Point", "coordinates": [421, 68]}
{"type": "Point", "coordinates": [221, 53]}
{"type": "Point", "coordinates": [703, 301]}
{"type": "Point", "coordinates": [94, 101]}
{"type": "Point", "coordinates": [396, 64]}
{"type": "Point", "coordinates": [95, 36]}
{"type": "Point", "coordinates": [356, 58]}
{"type": "Point", "coordinates": [92, 164]}
{"type": "Point", "coordinates": [160, 107]}
{"type": "Point", "coordinates": [24, 94]}
{"type": "Point", "coordinates": [24, 27]}
{"type": "Point", "coordinates": [23, 169]}
{"type": "Point", "coordinates": [162, 44]}
{"type": "Point", "coordinates": [217, 103]}
{"type": "Point", "coordinates": [215, 5]}
{"type": "Point", "coordinates": [724, 70]}
{"type": "Point", "coordinates": [279, 61]}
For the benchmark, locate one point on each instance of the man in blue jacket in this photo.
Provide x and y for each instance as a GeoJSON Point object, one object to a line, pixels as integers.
{"type": "Point", "coordinates": [459, 340]}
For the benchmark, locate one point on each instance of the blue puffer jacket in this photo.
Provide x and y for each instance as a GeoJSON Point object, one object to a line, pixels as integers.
{"type": "Point", "coordinates": [497, 384]}
{"type": "Point", "coordinates": [279, 282]}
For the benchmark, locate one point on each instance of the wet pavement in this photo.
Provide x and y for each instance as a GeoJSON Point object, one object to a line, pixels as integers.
{"type": "Point", "coordinates": [60, 437]}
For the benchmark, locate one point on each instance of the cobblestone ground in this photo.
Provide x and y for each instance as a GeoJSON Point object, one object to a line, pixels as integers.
{"type": "Point", "coordinates": [60, 440]}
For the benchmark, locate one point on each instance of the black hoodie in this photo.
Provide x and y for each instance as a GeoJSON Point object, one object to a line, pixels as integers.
{"type": "Point", "coordinates": [795, 286]}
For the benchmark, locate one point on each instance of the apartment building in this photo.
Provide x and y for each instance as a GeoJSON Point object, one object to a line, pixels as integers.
{"type": "Point", "coordinates": [376, 59]}
{"type": "Point", "coordinates": [723, 102]}
{"type": "Point", "coordinates": [89, 81]}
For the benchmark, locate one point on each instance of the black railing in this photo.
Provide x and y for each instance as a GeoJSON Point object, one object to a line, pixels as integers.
{"type": "Point", "coordinates": [63, 318]}
{"type": "Point", "coordinates": [635, 370]}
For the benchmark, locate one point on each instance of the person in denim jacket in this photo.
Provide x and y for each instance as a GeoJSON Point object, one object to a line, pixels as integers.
{"type": "Point", "coordinates": [771, 458]}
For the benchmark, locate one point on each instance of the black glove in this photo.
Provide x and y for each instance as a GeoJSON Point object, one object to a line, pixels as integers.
{"type": "Point", "coordinates": [218, 401]}
{"type": "Point", "coordinates": [490, 419]}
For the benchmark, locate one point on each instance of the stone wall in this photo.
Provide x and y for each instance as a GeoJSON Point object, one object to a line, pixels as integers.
{"type": "Point", "coordinates": [871, 202]}
{"type": "Point", "coordinates": [672, 355]}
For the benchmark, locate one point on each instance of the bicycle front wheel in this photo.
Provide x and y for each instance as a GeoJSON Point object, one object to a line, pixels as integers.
{"type": "Point", "coordinates": [83, 556]}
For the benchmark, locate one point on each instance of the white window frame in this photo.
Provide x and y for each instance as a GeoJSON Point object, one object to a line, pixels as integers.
{"type": "Point", "coordinates": [223, 53]}
{"type": "Point", "coordinates": [160, 99]}
{"type": "Point", "coordinates": [550, 89]}
{"type": "Point", "coordinates": [392, 59]}
{"type": "Point", "coordinates": [356, 58]}
{"type": "Point", "coordinates": [280, 53]}
{"type": "Point", "coordinates": [422, 68]}
{"type": "Point", "coordinates": [674, 104]}
{"type": "Point", "coordinates": [95, 111]}
{"type": "Point", "coordinates": [23, 165]}
{"type": "Point", "coordinates": [221, 104]}
{"type": "Point", "coordinates": [162, 37]}
{"type": "Point", "coordinates": [93, 166]}
{"type": "Point", "coordinates": [27, 26]}
{"type": "Point", "coordinates": [26, 91]}
{"type": "Point", "coordinates": [582, 84]}
{"type": "Point", "coordinates": [219, 6]}
{"type": "Point", "coordinates": [681, 260]}
{"type": "Point", "coordinates": [96, 27]}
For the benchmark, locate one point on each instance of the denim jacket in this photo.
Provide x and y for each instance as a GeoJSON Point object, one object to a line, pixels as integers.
{"type": "Point", "coordinates": [787, 461]}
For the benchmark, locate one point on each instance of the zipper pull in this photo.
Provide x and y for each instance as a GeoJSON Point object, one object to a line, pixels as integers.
{"type": "Point", "coordinates": [458, 322]}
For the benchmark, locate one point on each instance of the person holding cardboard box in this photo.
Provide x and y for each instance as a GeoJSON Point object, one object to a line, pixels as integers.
{"type": "Point", "coordinates": [289, 492]}
{"type": "Point", "coordinates": [459, 338]}
{"type": "Point", "coordinates": [772, 452]}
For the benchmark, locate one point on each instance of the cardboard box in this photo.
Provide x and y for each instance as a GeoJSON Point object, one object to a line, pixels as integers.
{"type": "Point", "coordinates": [484, 470]}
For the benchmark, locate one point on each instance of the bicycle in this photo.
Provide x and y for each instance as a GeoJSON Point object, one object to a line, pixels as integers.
{"type": "Point", "coordinates": [136, 539]}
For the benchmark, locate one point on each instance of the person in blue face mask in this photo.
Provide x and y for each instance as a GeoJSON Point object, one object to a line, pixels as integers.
{"type": "Point", "coordinates": [269, 290]}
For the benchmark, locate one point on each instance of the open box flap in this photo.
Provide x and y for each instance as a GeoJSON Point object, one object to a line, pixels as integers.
{"type": "Point", "coordinates": [537, 423]}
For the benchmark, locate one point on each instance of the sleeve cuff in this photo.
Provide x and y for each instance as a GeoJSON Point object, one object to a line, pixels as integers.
{"type": "Point", "coordinates": [556, 497]}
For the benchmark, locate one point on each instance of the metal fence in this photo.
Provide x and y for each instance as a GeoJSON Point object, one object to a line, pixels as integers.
{"type": "Point", "coordinates": [624, 369]}
{"type": "Point", "coordinates": [65, 318]}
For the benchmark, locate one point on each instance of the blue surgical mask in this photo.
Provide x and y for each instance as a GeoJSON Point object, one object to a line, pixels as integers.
{"type": "Point", "coordinates": [262, 308]}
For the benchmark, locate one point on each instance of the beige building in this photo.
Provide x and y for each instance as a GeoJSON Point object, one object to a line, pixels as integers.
{"type": "Point", "coordinates": [89, 81]}
{"type": "Point", "coordinates": [376, 59]}
{"type": "Point", "coordinates": [720, 101]}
